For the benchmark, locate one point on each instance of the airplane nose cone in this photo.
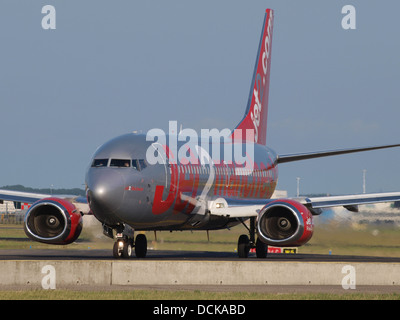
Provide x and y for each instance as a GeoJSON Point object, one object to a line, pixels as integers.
{"type": "Point", "coordinates": [105, 192]}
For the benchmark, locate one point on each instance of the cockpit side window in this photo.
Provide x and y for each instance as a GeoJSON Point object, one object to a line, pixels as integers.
{"type": "Point", "coordinates": [135, 164]}
{"type": "Point", "coordinates": [139, 164]}
{"type": "Point", "coordinates": [97, 163]}
{"type": "Point", "coordinates": [143, 164]}
{"type": "Point", "coordinates": [120, 163]}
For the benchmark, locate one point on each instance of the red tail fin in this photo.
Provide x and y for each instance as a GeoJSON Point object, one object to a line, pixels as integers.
{"type": "Point", "coordinates": [255, 117]}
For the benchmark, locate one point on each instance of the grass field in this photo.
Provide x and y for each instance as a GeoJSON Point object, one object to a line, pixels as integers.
{"type": "Point", "coordinates": [184, 295]}
{"type": "Point", "coordinates": [334, 238]}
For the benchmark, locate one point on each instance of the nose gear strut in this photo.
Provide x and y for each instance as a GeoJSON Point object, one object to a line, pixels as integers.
{"type": "Point", "coordinates": [124, 244]}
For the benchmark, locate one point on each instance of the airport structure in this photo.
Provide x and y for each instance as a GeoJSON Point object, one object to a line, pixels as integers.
{"type": "Point", "coordinates": [13, 212]}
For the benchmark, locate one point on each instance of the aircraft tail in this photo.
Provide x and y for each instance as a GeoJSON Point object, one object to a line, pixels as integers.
{"type": "Point", "coordinates": [255, 117]}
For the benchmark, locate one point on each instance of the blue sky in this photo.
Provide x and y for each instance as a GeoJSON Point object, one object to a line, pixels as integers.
{"type": "Point", "coordinates": [112, 67]}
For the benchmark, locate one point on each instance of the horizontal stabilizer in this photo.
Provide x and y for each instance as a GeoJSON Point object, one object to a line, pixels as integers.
{"type": "Point", "coordinates": [312, 155]}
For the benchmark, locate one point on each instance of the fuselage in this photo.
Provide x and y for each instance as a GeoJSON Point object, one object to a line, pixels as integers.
{"type": "Point", "coordinates": [125, 186]}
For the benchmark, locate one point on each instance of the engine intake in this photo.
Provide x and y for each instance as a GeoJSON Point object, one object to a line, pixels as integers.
{"type": "Point", "coordinates": [285, 223]}
{"type": "Point", "coordinates": [53, 221]}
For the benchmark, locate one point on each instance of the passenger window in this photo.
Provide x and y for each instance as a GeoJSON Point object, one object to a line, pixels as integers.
{"type": "Point", "coordinates": [97, 163]}
{"type": "Point", "coordinates": [120, 163]}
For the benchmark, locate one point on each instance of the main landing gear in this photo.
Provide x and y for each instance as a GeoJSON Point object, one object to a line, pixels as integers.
{"type": "Point", "coordinates": [124, 245]}
{"type": "Point", "coordinates": [245, 242]}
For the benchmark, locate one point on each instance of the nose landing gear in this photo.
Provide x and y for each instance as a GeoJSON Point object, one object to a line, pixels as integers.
{"type": "Point", "coordinates": [124, 244]}
{"type": "Point", "coordinates": [123, 247]}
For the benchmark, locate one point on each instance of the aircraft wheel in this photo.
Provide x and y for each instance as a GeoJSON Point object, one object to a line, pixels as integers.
{"type": "Point", "coordinates": [243, 246]}
{"type": "Point", "coordinates": [127, 250]}
{"type": "Point", "coordinates": [117, 252]}
{"type": "Point", "coordinates": [261, 249]}
{"type": "Point", "coordinates": [141, 246]}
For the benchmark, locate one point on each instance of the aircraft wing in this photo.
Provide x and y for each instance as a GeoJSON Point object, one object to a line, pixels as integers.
{"type": "Point", "coordinates": [245, 208]}
{"type": "Point", "coordinates": [28, 197]}
{"type": "Point", "coordinates": [24, 197]}
{"type": "Point", "coordinates": [350, 202]}
{"type": "Point", "coordinates": [242, 208]}
{"type": "Point", "coordinates": [237, 208]}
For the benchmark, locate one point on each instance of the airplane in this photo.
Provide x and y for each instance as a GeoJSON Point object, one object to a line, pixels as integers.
{"type": "Point", "coordinates": [179, 181]}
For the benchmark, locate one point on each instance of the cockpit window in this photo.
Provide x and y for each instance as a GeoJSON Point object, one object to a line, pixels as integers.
{"type": "Point", "coordinates": [100, 163]}
{"type": "Point", "coordinates": [139, 164]}
{"type": "Point", "coordinates": [142, 164]}
{"type": "Point", "coordinates": [120, 163]}
{"type": "Point", "coordinates": [135, 164]}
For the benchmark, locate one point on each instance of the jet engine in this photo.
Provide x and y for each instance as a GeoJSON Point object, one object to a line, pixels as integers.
{"type": "Point", "coordinates": [285, 222]}
{"type": "Point", "coordinates": [53, 221]}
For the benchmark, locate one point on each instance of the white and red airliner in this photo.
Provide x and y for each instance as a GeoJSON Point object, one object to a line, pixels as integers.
{"type": "Point", "coordinates": [140, 182]}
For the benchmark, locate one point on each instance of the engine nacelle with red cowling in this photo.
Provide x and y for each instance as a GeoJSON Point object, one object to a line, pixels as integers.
{"type": "Point", "coordinates": [285, 222]}
{"type": "Point", "coordinates": [53, 221]}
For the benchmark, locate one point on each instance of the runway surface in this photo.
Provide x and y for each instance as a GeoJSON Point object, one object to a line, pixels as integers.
{"type": "Point", "coordinates": [92, 254]}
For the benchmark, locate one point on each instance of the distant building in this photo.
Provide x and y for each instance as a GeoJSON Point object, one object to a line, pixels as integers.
{"type": "Point", "coordinates": [279, 194]}
{"type": "Point", "coordinates": [7, 207]}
